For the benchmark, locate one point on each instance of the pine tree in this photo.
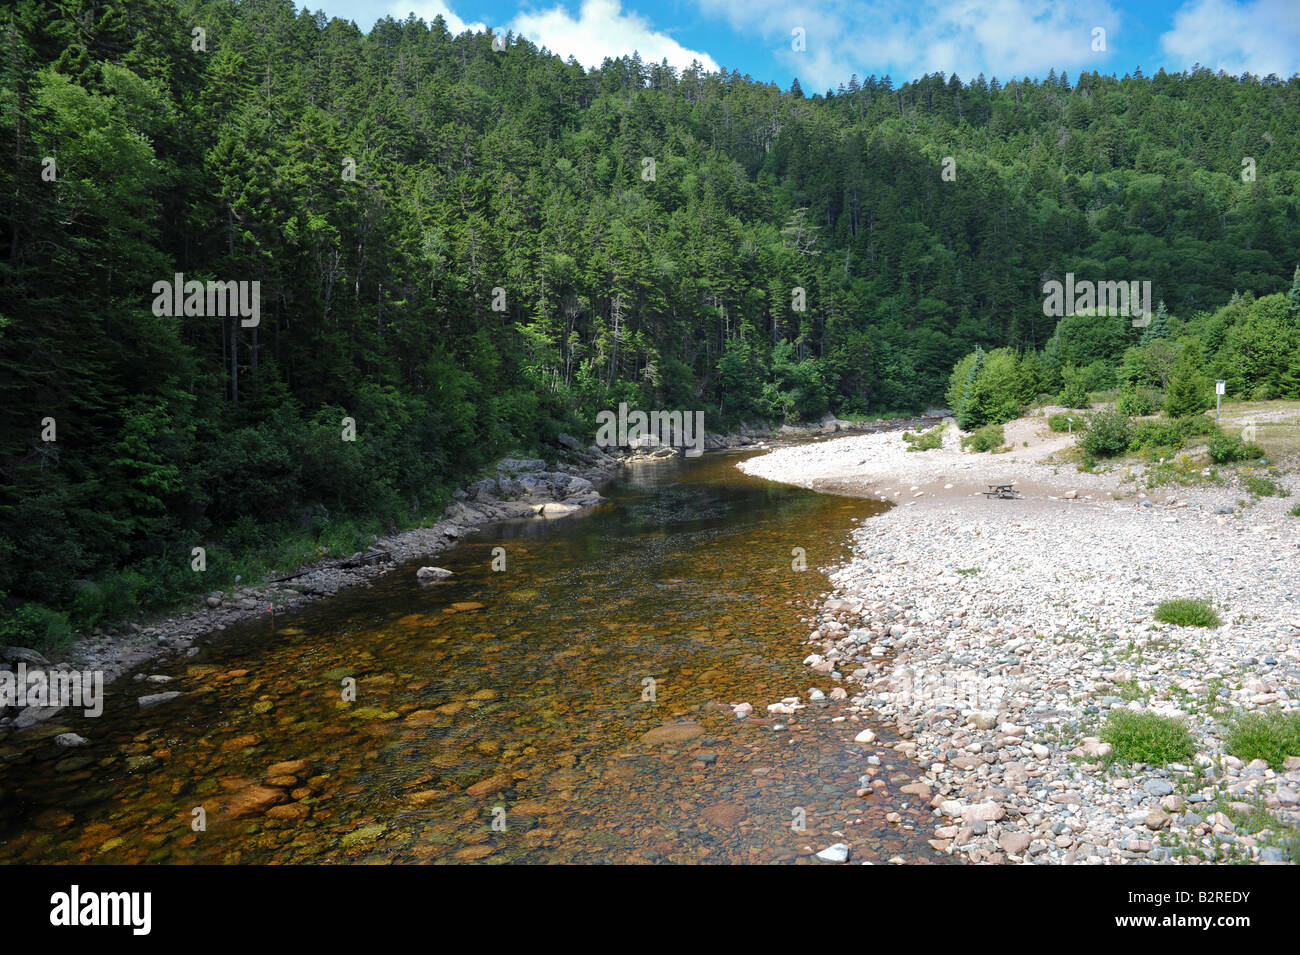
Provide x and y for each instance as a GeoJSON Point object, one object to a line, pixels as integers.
{"type": "Point", "coordinates": [1293, 297]}
{"type": "Point", "coordinates": [1188, 393]}
{"type": "Point", "coordinates": [1159, 327]}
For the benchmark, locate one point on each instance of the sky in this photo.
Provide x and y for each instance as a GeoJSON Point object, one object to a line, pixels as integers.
{"type": "Point", "coordinates": [824, 42]}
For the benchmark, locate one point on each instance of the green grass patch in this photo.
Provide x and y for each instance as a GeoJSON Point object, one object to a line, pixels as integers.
{"type": "Point", "coordinates": [1270, 734]}
{"type": "Point", "coordinates": [1061, 423]}
{"type": "Point", "coordinates": [1261, 486]}
{"type": "Point", "coordinates": [988, 438]}
{"type": "Point", "coordinates": [924, 440]}
{"type": "Point", "coordinates": [1147, 738]}
{"type": "Point", "coordinates": [1188, 613]}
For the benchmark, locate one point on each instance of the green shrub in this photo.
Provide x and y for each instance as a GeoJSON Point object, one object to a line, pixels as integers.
{"type": "Point", "coordinates": [1074, 395]}
{"type": "Point", "coordinates": [1227, 448]}
{"type": "Point", "coordinates": [1148, 738]}
{"type": "Point", "coordinates": [34, 627]}
{"type": "Point", "coordinates": [1137, 401]}
{"type": "Point", "coordinates": [1198, 426]}
{"type": "Point", "coordinates": [1107, 435]}
{"type": "Point", "coordinates": [989, 388]}
{"type": "Point", "coordinates": [1154, 437]}
{"type": "Point", "coordinates": [1271, 735]}
{"type": "Point", "coordinates": [1295, 511]}
{"type": "Point", "coordinates": [1188, 613]}
{"type": "Point", "coordinates": [1261, 486]}
{"type": "Point", "coordinates": [924, 440]}
{"type": "Point", "coordinates": [988, 438]}
{"type": "Point", "coordinates": [1060, 422]}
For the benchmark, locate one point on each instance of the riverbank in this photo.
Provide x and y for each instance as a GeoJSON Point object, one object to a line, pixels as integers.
{"type": "Point", "coordinates": [998, 635]}
{"type": "Point", "coordinates": [518, 489]}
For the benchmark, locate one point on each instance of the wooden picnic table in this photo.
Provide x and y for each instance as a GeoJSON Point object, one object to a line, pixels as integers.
{"type": "Point", "coordinates": [1002, 490]}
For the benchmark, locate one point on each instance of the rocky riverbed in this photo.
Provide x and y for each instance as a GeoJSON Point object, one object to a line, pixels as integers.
{"type": "Point", "coordinates": [518, 488]}
{"type": "Point", "coordinates": [997, 635]}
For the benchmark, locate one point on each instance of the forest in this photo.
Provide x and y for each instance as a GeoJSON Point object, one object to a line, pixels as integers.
{"type": "Point", "coordinates": [465, 245]}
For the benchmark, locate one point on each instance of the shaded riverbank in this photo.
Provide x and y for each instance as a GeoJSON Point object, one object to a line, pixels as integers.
{"type": "Point", "coordinates": [523, 689]}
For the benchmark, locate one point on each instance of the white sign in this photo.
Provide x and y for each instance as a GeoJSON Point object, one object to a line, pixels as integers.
{"type": "Point", "coordinates": [1220, 387]}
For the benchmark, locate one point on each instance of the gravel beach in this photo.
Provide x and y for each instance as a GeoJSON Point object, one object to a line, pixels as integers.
{"type": "Point", "coordinates": [997, 635]}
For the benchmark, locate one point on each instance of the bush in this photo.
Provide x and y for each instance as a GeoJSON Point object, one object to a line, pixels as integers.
{"type": "Point", "coordinates": [1147, 738]}
{"type": "Point", "coordinates": [1155, 437]}
{"type": "Point", "coordinates": [1198, 426]}
{"type": "Point", "coordinates": [34, 627]}
{"type": "Point", "coordinates": [1060, 422]}
{"type": "Point", "coordinates": [924, 440]}
{"type": "Point", "coordinates": [988, 388]}
{"type": "Point", "coordinates": [1271, 735]}
{"type": "Point", "coordinates": [988, 438]}
{"type": "Point", "coordinates": [1188, 613]}
{"type": "Point", "coordinates": [1137, 401]}
{"type": "Point", "coordinates": [1261, 486]}
{"type": "Point", "coordinates": [1075, 395]}
{"type": "Point", "coordinates": [1226, 448]}
{"type": "Point", "coordinates": [1107, 435]}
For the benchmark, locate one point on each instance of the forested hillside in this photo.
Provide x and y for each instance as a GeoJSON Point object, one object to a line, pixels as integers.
{"type": "Point", "coordinates": [468, 250]}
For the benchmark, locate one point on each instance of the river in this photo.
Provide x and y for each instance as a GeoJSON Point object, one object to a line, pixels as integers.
{"type": "Point", "coordinates": [501, 715]}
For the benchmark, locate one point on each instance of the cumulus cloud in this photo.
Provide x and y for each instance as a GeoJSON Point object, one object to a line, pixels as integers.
{"type": "Point", "coordinates": [428, 9]}
{"type": "Point", "coordinates": [907, 38]}
{"type": "Point", "coordinates": [602, 28]}
{"type": "Point", "coordinates": [1256, 36]}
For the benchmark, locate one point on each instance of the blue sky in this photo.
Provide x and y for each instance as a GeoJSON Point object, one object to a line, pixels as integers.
{"type": "Point", "coordinates": [904, 38]}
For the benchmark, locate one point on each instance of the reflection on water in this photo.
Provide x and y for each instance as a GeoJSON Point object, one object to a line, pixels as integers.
{"type": "Point", "coordinates": [500, 716]}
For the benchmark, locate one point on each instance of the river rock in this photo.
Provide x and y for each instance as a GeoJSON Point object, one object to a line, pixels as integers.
{"type": "Point", "coordinates": [672, 733]}
{"type": "Point", "coordinates": [835, 854]}
{"type": "Point", "coordinates": [491, 786]}
{"type": "Point", "coordinates": [156, 698]}
{"type": "Point", "coordinates": [432, 573]}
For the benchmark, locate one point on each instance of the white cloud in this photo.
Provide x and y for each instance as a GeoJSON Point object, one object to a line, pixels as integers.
{"type": "Point", "coordinates": [428, 9]}
{"type": "Point", "coordinates": [1259, 37]}
{"type": "Point", "coordinates": [907, 38]}
{"type": "Point", "coordinates": [602, 28]}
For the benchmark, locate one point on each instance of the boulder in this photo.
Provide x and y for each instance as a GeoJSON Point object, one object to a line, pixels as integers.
{"type": "Point", "coordinates": [156, 698]}
{"type": "Point", "coordinates": [432, 573]}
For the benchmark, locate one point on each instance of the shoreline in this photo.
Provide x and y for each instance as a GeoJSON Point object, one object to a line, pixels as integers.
{"type": "Point", "coordinates": [567, 487]}
{"type": "Point", "coordinates": [520, 488]}
{"type": "Point", "coordinates": [996, 635]}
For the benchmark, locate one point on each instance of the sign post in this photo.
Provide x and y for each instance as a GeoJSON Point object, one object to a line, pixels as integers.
{"type": "Point", "coordinates": [1220, 387]}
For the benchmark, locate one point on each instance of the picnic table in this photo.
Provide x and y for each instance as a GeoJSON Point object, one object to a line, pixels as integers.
{"type": "Point", "coordinates": [1002, 490]}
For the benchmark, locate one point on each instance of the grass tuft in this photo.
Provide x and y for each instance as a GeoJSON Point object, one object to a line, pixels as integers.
{"type": "Point", "coordinates": [1271, 735]}
{"type": "Point", "coordinates": [1188, 613]}
{"type": "Point", "coordinates": [1148, 738]}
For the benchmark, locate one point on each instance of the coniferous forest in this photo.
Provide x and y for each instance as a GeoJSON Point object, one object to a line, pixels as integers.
{"type": "Point", "coordinates": [469, 249]}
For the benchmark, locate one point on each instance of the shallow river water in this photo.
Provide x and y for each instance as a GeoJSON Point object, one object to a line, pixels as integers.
{"type": "Point", "coordinates": [502, 715]}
